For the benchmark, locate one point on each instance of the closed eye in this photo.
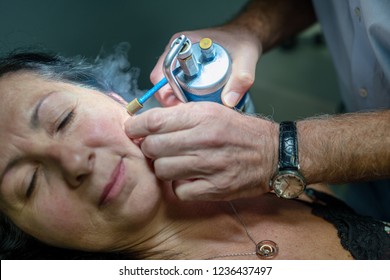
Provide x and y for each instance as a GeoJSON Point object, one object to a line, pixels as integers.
{"type": "Point", "coordinates": [32, 184]}
{"type": "Point", "coordinates": [66, 121]}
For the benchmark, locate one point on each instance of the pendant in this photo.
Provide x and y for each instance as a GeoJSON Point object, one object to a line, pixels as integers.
{"type": "Point", "coordinates": [267, 249]}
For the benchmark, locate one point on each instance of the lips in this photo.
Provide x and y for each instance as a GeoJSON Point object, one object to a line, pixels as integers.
{"type": "Point", "coordinates": [115, 185]}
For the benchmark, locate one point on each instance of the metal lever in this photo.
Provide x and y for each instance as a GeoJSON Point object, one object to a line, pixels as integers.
{"type": "Point", "coordinates": [176, 47]}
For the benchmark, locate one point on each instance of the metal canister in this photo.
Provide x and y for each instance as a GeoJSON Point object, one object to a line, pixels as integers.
{"type": "Point", "coordinates": [202, 70]}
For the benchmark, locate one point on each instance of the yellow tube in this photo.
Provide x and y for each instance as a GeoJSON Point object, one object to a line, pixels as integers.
{"type": "Point", "coordinates": [134, 106]}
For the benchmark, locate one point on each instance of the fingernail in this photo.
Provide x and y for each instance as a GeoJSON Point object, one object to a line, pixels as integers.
{"type": "Point", "coordinates": [231, 99]}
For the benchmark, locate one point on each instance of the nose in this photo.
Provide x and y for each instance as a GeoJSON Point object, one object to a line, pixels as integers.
{"type": "Point", "coordinates": [76, 161]}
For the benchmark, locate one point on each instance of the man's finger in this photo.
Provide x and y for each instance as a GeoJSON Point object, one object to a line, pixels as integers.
{"type": "Point", "coordinates": [159, 120]}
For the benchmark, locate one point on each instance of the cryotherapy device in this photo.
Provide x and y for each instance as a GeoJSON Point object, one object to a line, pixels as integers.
{"type": "Point", "coordinates": [196, 72]}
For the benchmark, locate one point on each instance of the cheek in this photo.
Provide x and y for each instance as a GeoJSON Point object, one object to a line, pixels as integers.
{"type": "Point", "coordinates": [103, 130]}
{"type": "Point", "coordinates": [61, 214]}
{"type": "Point", "coordinates": [109, 132]}
{"type": "Point", "coordinates": [59, 221]}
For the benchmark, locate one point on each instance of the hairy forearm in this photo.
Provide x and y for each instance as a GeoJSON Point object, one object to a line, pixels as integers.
{"type": "Point", "coordinates": [345, 148]}
{"type": "Point", "coordinates": [272, 21]}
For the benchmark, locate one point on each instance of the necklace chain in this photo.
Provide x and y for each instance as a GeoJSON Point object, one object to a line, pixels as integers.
{"type": "Point", "coordinates": [242, 222]}
{"type": "Point", "coordinates": [264, 249]}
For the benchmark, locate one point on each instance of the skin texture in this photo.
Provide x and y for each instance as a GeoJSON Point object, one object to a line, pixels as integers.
{"type": "Point", "coordinates": [345, 148]}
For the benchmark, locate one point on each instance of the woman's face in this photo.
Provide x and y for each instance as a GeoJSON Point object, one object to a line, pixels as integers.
{"type": "Point", "coordinates": [69, 174]}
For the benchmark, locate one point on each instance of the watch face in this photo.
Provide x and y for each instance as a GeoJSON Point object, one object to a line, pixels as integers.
{"type": "Point", "coordinates": [288, 185]}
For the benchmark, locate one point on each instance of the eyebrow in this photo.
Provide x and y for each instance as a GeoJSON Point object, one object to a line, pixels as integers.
{"type": "Point", "coordinates": [34, 121]}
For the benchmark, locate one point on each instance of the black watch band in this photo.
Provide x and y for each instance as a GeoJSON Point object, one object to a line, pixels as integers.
{"type": "Point", "coordinates": [288, 146]}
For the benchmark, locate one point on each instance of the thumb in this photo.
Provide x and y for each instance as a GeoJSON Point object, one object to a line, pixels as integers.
{"type": "Point", "coordinates": [241, 79]}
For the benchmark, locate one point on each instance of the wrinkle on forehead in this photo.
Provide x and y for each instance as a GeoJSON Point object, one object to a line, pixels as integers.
{"type": "Point", "coordinates": [18, 92]}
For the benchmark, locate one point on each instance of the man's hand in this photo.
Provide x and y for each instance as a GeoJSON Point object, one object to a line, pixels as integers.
{"type": "Point", "coordinates": [244, 50]}
{"type": "Point", "coordinates": [209, 151]}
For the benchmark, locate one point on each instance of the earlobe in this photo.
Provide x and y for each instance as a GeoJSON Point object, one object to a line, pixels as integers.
{"type": "Point", "coordinates": [117, 98]}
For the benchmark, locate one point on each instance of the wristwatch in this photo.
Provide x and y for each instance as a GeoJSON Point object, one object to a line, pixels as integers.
{"type": "Point", "coordinates": [288, 182]}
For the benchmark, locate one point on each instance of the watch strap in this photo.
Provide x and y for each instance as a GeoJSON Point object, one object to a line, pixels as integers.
{"type": "Point", "coordinates": [288, 146]}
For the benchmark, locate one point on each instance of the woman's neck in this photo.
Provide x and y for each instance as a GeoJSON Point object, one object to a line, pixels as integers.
{"type": "Point", "coordinates": [195, 230]}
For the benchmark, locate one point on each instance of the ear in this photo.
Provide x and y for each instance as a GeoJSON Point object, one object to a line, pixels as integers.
{"type": "Point", "coordinates": [117, 98]}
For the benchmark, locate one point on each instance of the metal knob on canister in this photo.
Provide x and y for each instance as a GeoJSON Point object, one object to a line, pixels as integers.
{"type": "Point", "coordinates": [207, 49]}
